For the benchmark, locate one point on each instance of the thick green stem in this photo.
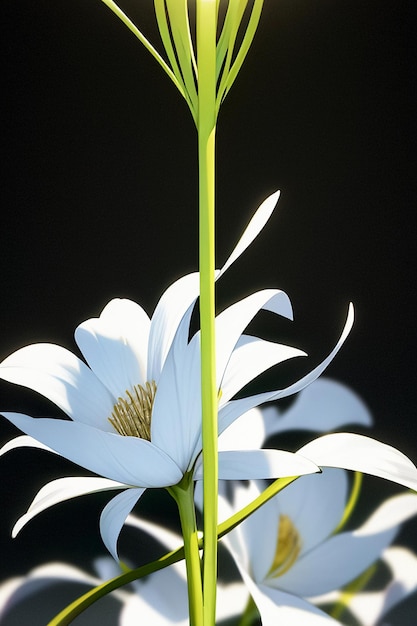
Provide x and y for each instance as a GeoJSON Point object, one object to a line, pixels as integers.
{"type": "Point", "coordinates": [183, 493]}
{"type": "Point", "coordinates": [206, 127]}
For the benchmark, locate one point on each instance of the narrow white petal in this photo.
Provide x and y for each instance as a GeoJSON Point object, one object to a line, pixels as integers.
{"type": "Point", "coordinates": [278, 607]}
{"type": "Point", "coordinates": [362, 454]}
{"type": "Point", "coordinates": [115, 345]}
{"type": "Point", "coordinates": [252, 230]}
{"type": "Point", "coordinates": [61, 490]}
{"type": "Point", "coordinates": [176, 416]}
{"type": "Point", "coordinates": [322, 406]}
{"type": "Point", "coordinates": [62, 377]}
{"type": "Point", "coordinates": [166, 537]}
{"type": "Point", "coordinates": [149, 614]}
{"type": "Point", "coordinates": [390, 513]}
{"type": "Point", "coordinates": [114, 515]}
{"type": "Point", "coordinates": [251, 357]}
{"type": "Point", "coordinates": [235, 408]}
{"type": "Point", "coordinates": [16, 590]}
{"type": "Point", "coordinates": [181, 295]}
{"type": "Point", "coordinates": [171, 308]}
{"type": "Point", "coordinates": [260, 535]}
{"type": "Point", "coordinates": [156, 608]}
{"type": "Point", "coordinates": [129, 460]}
{"type": "Point", "coordinates": [231, 323]}
{"type": "Point", "coordinates": [247, 464]}
{"type": "Point", "coordinates": [23, 441]}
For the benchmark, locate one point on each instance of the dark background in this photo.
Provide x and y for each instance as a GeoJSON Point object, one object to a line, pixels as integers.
{"type": "Point", "coordinates": [99, 199]}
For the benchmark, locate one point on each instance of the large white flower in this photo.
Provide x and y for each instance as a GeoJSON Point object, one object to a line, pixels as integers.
{"type": "Point", "coordinates": [288, 552]}
{"type": "Point", "coordinates": [134, 404]}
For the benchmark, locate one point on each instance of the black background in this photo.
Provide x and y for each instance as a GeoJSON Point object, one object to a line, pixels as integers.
{"type": "Point", "coordinates": [99, 199]}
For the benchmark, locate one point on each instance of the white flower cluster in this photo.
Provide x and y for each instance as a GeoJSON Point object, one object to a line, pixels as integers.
{"type": "Point", "coordinates": [135, 421]}
{"type": "Point", "coordinates": [292, 555]}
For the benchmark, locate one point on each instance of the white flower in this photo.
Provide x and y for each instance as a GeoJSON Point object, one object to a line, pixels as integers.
{"type": "Point", "coordinates": [134, 408]}
{"type": "Point", "coordinates": [287, 551]}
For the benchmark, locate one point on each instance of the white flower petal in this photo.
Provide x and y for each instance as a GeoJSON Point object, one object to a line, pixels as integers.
{"type": "Point", "coordinates": [157, 608]}
{"type": "Point", "coordinates": [171, 308]}
{"type": "Point", "coordinates": [231, 323]}
{"type": "Point", "coordinates": [23, 441]}
{"type": "Point", "coordinates": [251, 357]}
{"type": "Point", "coordinates": [16, 590]}
{"type": "Point", "coordinates": [170, 540]}
{"type": "Point", "coordinates": [322, 406]}
{"type": "Point", "coordinates": [362, 454]}
{"type": "Point", "coordinates": [264, 523]}
{"type": "Point", "coordinates": [252, 230]}
{"type": "Point", "coordinates": [357, 550]}
{"type": "Point", "coordinates": [246, 433]}
{"type": "Point", "coordinates": [130, 460]}
{"type": "Point", "coordinates": [278, 607]}
{"type": "Point", "coordinates": [115, 345]}
{"type": "Point", "coordinates": [176, 416]}
{"type": "Point", "coordinates": [247, 464]}
{"type": "Point", "coordinates": [235, 408]}
{"type": "Point", "coordinates": [60, 490]}
{"type": "Point", "coordinates": [60, 376]}
{"type": "Point", "coordinates": [114, 515]}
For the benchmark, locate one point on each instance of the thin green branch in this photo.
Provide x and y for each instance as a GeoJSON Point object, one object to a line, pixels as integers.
{"type": "Point", "coordinates": [243, 50]}
{"type": "Point", "coordinates": [181, 34]}
{"type": "Point", "coordinates": [353, 499]}
{"type": "Point", "coordinates": [226, 44]}
{"type": "Point", "coordinates": [134, 29]}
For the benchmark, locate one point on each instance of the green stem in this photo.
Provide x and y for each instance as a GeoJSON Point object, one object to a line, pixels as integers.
{"type": "Point", "coordinates": [352, 502]}
{"type": "Point", "coordinates": [183, 493]}
{"type": "Point", "coordinates": [206, 127]}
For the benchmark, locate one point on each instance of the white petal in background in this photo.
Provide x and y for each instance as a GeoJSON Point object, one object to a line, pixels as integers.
{"type": "Point", "coordinates": [362, 454]}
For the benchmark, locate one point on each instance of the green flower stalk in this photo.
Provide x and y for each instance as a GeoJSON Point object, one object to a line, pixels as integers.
{"type": "Point", "coordinates": [204, 77]}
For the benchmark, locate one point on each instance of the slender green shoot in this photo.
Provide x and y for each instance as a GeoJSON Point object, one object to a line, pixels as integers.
{"type": "Point", "coordinates": [353, 499]}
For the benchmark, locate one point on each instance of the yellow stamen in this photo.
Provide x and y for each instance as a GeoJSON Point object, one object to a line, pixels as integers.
{"type": "Point", "coordinates": [131, 416]}
{"type": "Point", "coordinates": [288, 547]}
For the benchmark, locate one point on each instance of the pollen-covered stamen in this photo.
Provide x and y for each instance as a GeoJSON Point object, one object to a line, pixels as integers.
{"type": "Point", "coordinates": [131, 416]}
{"type": "Point", "coordinates": [287, 549]}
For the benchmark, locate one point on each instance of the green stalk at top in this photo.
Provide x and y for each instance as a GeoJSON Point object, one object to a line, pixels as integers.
{"type": "Point", "coordinates": [206, 128]}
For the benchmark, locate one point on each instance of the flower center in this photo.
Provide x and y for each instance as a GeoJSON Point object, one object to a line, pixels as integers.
{"type": "Point", "coordinates": [131, 416]}
{"type": "Point", "coordinates": [288, 547]}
